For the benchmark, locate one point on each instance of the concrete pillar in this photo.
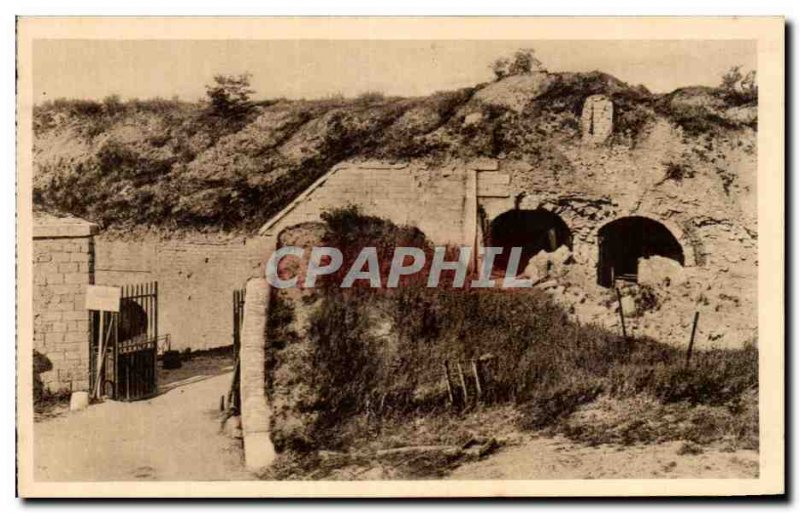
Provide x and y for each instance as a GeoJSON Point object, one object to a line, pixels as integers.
{"type": "Point", "coordinates": [597, 119]}
{"type": "Point", "coordinates": [258, 449]}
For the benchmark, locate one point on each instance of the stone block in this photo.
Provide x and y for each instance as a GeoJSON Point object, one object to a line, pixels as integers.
{"type": "Point", "coordinates": [68, 267]}
{"type": "Point", "coordinates": [76, 277]}
{"type": "Point", "coordinates": [484, 165]}
{"type": "Point", "coordinates": [54, 338]}
{"type": "Point", "coordinates": [80, 257]}
{"type": "Point", "coordinates": [54, 279]}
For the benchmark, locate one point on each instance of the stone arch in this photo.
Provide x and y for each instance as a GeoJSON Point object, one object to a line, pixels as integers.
{"type": "Point", "coordinates": [532, 230]}
{"type": "Point", "coordinates": [622, 242]}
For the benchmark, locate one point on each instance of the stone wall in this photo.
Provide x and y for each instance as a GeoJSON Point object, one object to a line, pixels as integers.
{"type": "Point", "coordinates": [196, 276]}
{"type": "Point", "coordinates": [63, 265]}
{"type": "Point", "coordinates": [593, 185]}
{"type": "Point", "coordinates": [440, 201]}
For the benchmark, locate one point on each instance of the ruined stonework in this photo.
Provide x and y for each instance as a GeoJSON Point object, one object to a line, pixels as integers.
{"type": "Point", "coordinates": [694, 231]}
{"type": "Point", "coordinates": [63, 267]}
{"type": "Point", "coordinates": [597, 119]}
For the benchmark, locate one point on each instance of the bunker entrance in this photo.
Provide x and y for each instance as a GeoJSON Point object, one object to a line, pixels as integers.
{"type": "Point", "coordinates": [624, 241]}
{"type": "Point", "coordinates": [531, 230]}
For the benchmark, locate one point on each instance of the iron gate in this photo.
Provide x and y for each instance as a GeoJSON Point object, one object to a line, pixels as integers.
{"type": "Point", "coordinates": [130, 345]}
{"type": "Point", "coordinates": [234, 399]}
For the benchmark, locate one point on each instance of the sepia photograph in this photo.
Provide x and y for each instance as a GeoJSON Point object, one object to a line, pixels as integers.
{"type": "Point", "coordinates": [282, 257]}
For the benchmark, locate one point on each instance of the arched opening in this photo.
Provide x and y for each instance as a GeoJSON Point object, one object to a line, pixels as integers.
{"type": "Point", "coordinates": [532, 230]}
{"type": "Point", "coordinates": [624, 241]}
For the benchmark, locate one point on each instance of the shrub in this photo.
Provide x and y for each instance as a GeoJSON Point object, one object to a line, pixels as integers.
{"type": "Point", "coordinates": [523, 62]}
{"type": "Point", "coordinates": [369, 97]}
{"type": "Point", "coordinates": [738, 88]}
{"type": "Point", "coordinates": [677, 171]}
{"type": "Point", "coordinates": [541, 359]}
{"type": "Point", "coordinates": [229, 96]}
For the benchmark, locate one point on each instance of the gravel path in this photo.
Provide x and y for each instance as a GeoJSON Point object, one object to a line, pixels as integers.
{"type": "Point", "coordinates": [172, 437]}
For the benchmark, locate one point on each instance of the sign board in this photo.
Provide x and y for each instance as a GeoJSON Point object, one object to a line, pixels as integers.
{"type": "Point", "coordinates": [103, 298]}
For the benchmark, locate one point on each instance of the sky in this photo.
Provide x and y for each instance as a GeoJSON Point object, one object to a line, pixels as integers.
{"type": "Point", "coordinates": [94, 69]}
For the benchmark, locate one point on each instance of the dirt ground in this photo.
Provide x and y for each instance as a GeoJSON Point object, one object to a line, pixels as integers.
{"type": "Point", "coordinates": [558, 458]}
{"type": "Point", "coordinates": [174, 436]}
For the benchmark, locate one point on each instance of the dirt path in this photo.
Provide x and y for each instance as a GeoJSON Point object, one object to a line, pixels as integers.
{"type": "Point", "coordinates": [172, 437]}
{"type": "Point", "coordinates": [557, 458]}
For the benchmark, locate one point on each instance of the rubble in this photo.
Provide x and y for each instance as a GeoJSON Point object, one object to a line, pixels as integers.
{"type": "Point", "coordinates": [657, 270]}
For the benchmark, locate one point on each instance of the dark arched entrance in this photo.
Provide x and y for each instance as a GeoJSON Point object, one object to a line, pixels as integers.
{"type": "Point", "coordinates": [623, 242]}
{"type": "Point", "coordinates": [532, 230]}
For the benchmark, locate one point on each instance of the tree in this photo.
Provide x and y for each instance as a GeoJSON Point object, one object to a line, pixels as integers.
{"type": "Point", "coordinates": [500, 68]}
{"type": "Point", "coordinates": [749, 85]}
{"type": "Point", "coordinates": [523, 62]}
{"type": "Point", "coordinates": [740, 87]}
{"type": "Point", "coordinates": [731, 78]}
{"type": "Point", "coordinates": [230, 95]}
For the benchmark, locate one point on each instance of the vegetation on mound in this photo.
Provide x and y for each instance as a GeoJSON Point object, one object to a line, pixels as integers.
{"type": "Point", "coordinates": [231, 163]}
{"type": "Point", "coordinates": [371, 361]}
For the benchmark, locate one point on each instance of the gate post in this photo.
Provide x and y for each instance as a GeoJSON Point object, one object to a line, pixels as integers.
{"type": "Point", "coordinates": [258, 449]}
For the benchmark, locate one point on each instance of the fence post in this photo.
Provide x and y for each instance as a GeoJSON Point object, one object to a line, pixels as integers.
{"type": "Point", "coordinates": [447, 381]}
{"type": "Point", "coordinates": [463, 383]}
{"type": "Point", "coordinates": [621, 314]}
{"type": "Point", "coordinates": [477, 375]}
{"type": "Point", "coordinates": [691, 340]}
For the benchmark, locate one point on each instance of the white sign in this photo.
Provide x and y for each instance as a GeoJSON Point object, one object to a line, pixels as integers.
{"type": "Point", "coordinates": [103, 298]}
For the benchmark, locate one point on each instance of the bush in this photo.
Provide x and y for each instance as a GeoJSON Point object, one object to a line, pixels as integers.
{"type": "Point", "coordinates": [677, 171]}
{"type": "Point", "coordinates": [229, 96]}
{"type": "Point", "coordinates": [740, 89]}
{"type": "Point", "coordinates": [541, 359]}
{"type": "Point", "coordinates": [523, 62]}
{"type": "Point", "coordinates": [370, 97]}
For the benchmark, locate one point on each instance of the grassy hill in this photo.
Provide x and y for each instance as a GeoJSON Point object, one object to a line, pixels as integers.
{"type": "Point", "coordinates": [176, 165]}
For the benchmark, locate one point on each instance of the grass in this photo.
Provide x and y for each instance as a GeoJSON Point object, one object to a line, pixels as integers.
{"type": "Point", "coordinates": [368, 367]}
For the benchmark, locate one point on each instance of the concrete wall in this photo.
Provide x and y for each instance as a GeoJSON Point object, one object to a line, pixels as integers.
{"type": "Point", "coordinates": [63, 265]}
{"type": "Point", "coordinates": [196, 276]}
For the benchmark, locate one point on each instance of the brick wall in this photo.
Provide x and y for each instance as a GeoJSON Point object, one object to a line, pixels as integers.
{"type": "Point", "coordinates": [62, 268]}
{"type": "Point", "coordinates": [196, 276]}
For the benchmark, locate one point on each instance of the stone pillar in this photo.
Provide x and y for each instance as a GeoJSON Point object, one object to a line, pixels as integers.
{"type": "Point", "coordinates": [63, 265]}
{"type": "Point", "coordinates": [597, 119]}
{"type": "Point", "coordinates": [259, 452]}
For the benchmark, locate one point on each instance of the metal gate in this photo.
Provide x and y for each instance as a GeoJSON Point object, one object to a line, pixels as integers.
{"type": "Point", "coordinates": [234, 399]}
{"type": "Point", "coordinates": [130, 345]}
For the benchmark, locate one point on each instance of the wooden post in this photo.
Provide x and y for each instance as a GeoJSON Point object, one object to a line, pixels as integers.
{"type": "Point", "coordinates": [99, 360]}
{"type": "Point", "coordinates": [621, 314]}
{"type": "Point", "coordinates": [477, 376]}
{"type": "Point", "coordinates": [463, 383]}
{"type": "Point", "coordinates": [102, 344]}
{"type": "Point", "coordinates": [691, 340]}
{"type": "Point", "coordinates": [447, 381]}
